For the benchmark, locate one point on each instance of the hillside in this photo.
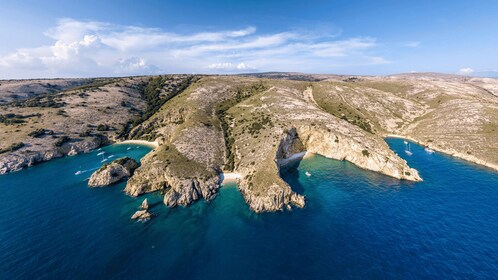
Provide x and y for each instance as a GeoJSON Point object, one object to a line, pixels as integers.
{"type": "Point", "coordinates": [250, 125]}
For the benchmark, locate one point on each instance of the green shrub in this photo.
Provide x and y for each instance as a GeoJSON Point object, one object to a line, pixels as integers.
{"type": "Point", "coordinates": [37, 133]}
{"type": "Point", "coordinates": [62, 140]}
{"type": "Point", "coordinates": [11, 119]}
{"type": "Point", "coordinates": [13, 147]}
{"type": "Point", "coordinates": [86, 133]}
{"type": "Point", "coordinates": [102, 127]}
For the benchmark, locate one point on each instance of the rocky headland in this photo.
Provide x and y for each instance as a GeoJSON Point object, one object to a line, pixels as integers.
{"type": "Point", "coordinates": [205, 126]}
{"type": "Point", "coordinates": [113, 172]}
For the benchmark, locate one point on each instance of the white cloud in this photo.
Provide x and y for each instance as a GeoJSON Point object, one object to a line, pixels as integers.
{"type": "Point", "coordinates": [412, 44]}
{"type": "Point", "coordinates": [135, 66]}
{"type": "Point", "coordinates": [466, 71]}
{"type": "Point", "coordinates": [230, 67]}
{"type": "Point", "coordinates": [90, 48]}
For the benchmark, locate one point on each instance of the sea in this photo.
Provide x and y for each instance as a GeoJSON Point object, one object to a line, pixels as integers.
{"type": "Point", "coordinates": [357, 224]}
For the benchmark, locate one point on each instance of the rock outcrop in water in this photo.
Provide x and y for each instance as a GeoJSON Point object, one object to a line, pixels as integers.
{"type": "Point", "coordinates": [144, 205]}
{"type": "Point", "coordinates": [141, 216]}
{"type": "Point", "coordinates": [113, 172]}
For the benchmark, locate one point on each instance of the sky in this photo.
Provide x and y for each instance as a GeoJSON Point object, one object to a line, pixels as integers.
{"type": "Point", "coordinates": [48, 39]}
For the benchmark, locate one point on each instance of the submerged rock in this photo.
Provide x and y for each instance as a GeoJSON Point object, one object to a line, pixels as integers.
{"type": "Point", "coordinates": [113, 172]}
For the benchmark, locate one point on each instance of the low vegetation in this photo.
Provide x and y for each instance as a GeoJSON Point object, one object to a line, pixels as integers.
{"type": "Point", "coordinates": [156, 92]}
{"type": "Point", "coordinates": [13, 147]}
{"type": "Point", "coordinates": [242, 93]}
{"type": "Point", "coordinates": [62, 140]}
{"type": "Point", "coordinates": [12, 119]}
{"type": "Point", "coordinates": [40, 132]}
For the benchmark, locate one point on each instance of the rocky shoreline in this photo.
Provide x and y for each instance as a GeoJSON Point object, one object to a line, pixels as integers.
{"type": "Point", "coordinates": [19, 160]}
{"type": "Point", "coordinates": [207, 130]}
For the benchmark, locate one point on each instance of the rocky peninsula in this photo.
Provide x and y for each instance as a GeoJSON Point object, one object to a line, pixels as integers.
{"type": "Point", "coordinates": [205, 126]}
{"type": "Point", "coordinates": [113, 172]}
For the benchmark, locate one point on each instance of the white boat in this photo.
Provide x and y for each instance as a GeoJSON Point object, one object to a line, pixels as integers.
{"type": "Point", "coordinates": [405, 142]}
{"type": "Point", "coordinates": [308, 174]}
{"type": "Point", "coordinates": [129, 148]}
{"type": "Point", "coordinates": [408, 151]}
{"type": "Point", "coordinates": [78, 172]}
{"type": "Point", "coordinates": [429, 150]}
{"type": "Point", "coordinates": [111, 156]}
{"type": "Point", "coordinates": [101, 153]}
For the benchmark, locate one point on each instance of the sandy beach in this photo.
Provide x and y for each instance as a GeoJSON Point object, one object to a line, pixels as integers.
{"type": "Point", "coordinates": [230, 178]}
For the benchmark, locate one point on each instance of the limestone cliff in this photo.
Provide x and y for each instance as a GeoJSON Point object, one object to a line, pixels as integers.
{"type": "Point", "coordinates": [368, 153]}
{"type": "Point", "coordinates": [113, 172]}
{"type": "Point", "coordinates": [251, 126]}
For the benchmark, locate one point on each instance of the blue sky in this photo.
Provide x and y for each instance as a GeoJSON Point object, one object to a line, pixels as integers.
{"type": "Point", "coordinates": [117, 38]}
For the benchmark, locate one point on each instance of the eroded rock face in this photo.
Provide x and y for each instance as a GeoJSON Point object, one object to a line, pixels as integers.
{"type": "Point", "coordinates": [182, 185]}
{"type": "Point", "coordinates": [148, 178]}
{"type": "Point", "coordinates": [113, 172]}
{"type": "Point", "coordinates": [275, 198]}
{"type": "Point", "coordinates": [185, 191]}
{"type": "Point", "coordinates": [371, 154]}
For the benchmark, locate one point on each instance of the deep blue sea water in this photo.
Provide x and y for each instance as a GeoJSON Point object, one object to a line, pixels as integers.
{"type": "Point", "coordinates": [356, 225]}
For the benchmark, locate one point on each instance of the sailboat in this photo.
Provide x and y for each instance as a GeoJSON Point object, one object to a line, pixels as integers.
{"type": "Point", "coordinates": [408, 151]}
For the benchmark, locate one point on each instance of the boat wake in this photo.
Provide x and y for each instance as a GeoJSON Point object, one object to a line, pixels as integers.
{"type": "Point", "coordinates": [84, 171]}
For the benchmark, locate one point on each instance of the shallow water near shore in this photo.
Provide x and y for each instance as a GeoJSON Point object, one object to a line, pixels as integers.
{"type": "Point", "coordinates": [357, 224]}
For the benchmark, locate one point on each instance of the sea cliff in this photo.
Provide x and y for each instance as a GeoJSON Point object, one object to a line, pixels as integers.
{"type": "Point", "coordinates": [205, 126]}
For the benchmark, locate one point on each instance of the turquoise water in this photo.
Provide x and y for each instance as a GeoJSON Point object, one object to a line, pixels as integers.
{"type": "Point", "coordinates": [357, 225]}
